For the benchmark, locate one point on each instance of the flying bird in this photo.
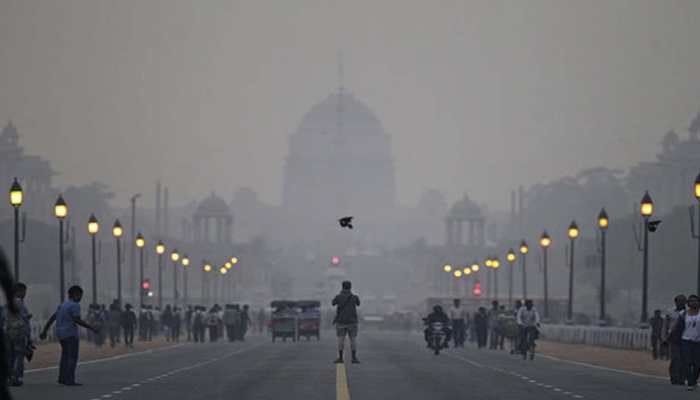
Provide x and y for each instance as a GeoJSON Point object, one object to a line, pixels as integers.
{"type": "Point", "coordinates": [346, 222]}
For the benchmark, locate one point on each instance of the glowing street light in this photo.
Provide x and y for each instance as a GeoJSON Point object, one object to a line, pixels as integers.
{"type": "Point", "coordinates": [545, 242]}
{"type": "Point", "coordinates": [117, 232]}
{"type": "Point", "coordinates": [140, 244]}
{"type": "Point", "coordinates": [175, 257]}
{"type": "Point", "coordinates": [160, 250]}
{"type": "Point", "coordinates": [447, 268]}
{"type": "Point", "coordinates": [524, 249]}
{"type": "Point", "coordinates": [573, 233]}
{"type": "Point", "coordinates": [185, 264]}
{"type": "Point", "coordinates": [16, 200]}
{"type": "Point", "coordinates": [646, 210]}
{"type": "Point", "coordinates": [93, 229]}
{"type": "Point", "coordinates": [510, 257]}
{"type": "Point", "coordinates": [603, 223]}
{"type": "Point", "coordinates": [60, 211]}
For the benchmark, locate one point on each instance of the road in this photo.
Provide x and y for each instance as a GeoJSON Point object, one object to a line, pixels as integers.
{"type": "Point", "coordinates": [393, 367]}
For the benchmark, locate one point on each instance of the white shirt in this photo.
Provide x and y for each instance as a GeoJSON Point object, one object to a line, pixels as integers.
{"type": "Point", "coordinates": [457, 313]}
{"type": "Point", "coordinates": [692, 328]}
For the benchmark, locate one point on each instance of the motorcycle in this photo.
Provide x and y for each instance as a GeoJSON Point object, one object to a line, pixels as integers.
{"type": "Point", "coordinates": [436, 336]}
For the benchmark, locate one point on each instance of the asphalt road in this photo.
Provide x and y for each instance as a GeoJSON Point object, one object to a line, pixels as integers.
{"type": "Point", "coordinates": [393, 367]}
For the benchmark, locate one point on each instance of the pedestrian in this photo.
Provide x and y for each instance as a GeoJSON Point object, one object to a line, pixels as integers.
{"type": "Point", "coordinates": [481, 322]}
{"type": "Point", "coordinates": [232, 319]}
{"type": "Point", "coordinates": [346, 322]}
{"type": "Point", "coordinates": [128, 322]}
{"type": "Point", "coordinates": [493, 325]}
{"type": "Point", "coordinates": [198, 324]}
{"type": "Point", "coordinates": [213, 324]}
{"type": "Point", "coordinates": [7, 285]}
{"type": "Point", "coordinates": [690, 341]}
{"type": "Point", "coordinates": [176, 324]}
{"type": "Point", "coordinates": [166, 320]}
{"type": "Point", "coordinates": [19, 336]}
{"type": "Point", "coordinates": [676, 370]}
{"type": "Point", "coordinates": [656, 322]}
{"type": "Point", "coordinates": [245, 321]}
{"type": "Point", "coordinates": [114, 322]}
{"type": "Point", "coordinates": [188, 322]}
{"type": "Point", "coordinates": [458, 317]}
{"type": "Point", "coordinates": [67, 319]}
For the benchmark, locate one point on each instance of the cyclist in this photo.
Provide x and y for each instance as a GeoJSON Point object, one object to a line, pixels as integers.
{"type": "Point", "coordinates": [528, 320]}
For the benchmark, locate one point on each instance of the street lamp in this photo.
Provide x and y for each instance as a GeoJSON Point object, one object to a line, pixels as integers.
{"type": "Point", "coordinates": [475, 266]}
{"type": "Point", "coordinates": [174, 257]}
{"type": "Point", "coordinates": [234, 260]}
{"type": "Point", "coordinates": [117, 232]}
{"type": "Point", "coordinates": [447, 268]}
{"type": "Point", "coordinates": [140, 244]}
{"type": "Point", "coordinates": [524, 249]}
{"type": "Point", "coordinates": [160, 250]}
{"type": "Point", "coordinates": [93, 229]}
{"type": "Point", "coordinates": [185, 264]}
{"type": "Point", "coordinates": [603, 223]}
{"type": "Point", "coordinates": [573, 233]}
{"type": "Point", "coordinates": [206, 269]}
{"type": "Point", "coordinates": [510, 257]}
{"type": "Point", "coordinates": [16, 200]}
{"type": "Point", "coordinates": [646, 210]}
{"type": "Point", "coordinates": [60, 211]}
{"type": "Point", "coordinates": [545, 242]}
{"type": "Point", "coordinates": [458, 273]}
{"type": "Point", "coordinates": [228, 265]}
{"type": "Point", "coordinates": [692, 225]}
{"type": "Point", "coordinates": [495, 264]}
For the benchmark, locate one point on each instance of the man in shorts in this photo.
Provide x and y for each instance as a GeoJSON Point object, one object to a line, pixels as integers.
{"type": "Point", "coordinates": [346, 321]}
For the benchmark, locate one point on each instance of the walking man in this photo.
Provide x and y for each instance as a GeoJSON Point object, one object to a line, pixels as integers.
{"type": "Point", "coordinates": [67, 319]}
{"type": "Point", "coordinates": [19, 336]}
{"type": "Point", "coordinates": [128, 322]}
{"type": "Point", "coordinates": [656, 322]}
{"type": "Point", "coordinates": [676, 369]}
{"type": "Point", "coordinates": [457, 315]}
{"type": "Point", "coordinates": [345, 321]}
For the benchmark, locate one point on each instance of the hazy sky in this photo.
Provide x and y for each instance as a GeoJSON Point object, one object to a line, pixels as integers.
{"type": "Point", "coordinates": [478, 96]}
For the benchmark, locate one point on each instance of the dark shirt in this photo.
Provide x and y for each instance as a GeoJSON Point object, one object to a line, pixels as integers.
{"type": "Point", "coordinates": [437, 317]}
{"type": "Point", "coordinates": [657, 324]}
{"type": "Point", "coordinates": [346, 303]}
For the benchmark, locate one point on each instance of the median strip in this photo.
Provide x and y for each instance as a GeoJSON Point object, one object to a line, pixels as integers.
{"type": "Point", "coordinates": [342, 392]}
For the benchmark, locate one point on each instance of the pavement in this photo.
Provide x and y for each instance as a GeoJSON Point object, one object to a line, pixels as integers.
{"type": "Point", "coordinates": [394, 366]}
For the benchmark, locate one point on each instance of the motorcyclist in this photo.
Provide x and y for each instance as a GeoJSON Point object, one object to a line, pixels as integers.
{"type": "Point", "coordinates": [438, 315]}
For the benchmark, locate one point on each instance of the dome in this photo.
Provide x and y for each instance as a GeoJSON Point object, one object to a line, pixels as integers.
{"type": "Point", "coordinates": [213, 205]}
{"type": "Point", "coordinates": [466, 208]}
{"type": "Point", "coordinates": [340, 108]}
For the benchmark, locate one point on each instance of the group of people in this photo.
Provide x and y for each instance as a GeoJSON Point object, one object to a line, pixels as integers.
{"type": "Point", "coordinates": [677, 337]}
{"type": "Point", "coordinates": [519, 325]}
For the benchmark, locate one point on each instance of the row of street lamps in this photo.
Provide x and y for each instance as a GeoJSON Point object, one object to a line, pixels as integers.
{"type": "Point", "coordinates": [16, 199]}
{"type": "Point", "coordinates": [646, 210]}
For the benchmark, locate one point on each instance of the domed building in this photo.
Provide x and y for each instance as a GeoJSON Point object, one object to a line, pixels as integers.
{"type": "Point", "coordinates": [339, 162]}
{"type": "Point", "coordinates": [213, 221]}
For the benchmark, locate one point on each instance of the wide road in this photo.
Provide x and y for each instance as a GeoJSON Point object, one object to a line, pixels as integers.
{"type": "Point", "coordinates": [393, 366]}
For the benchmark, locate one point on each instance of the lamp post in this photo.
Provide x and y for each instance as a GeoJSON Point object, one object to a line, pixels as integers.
{"type": "Point", "coordinates": [117, 232]}
{"type": "Point", "coordinates": [160, 250]}
{"type": "Point", "coordinates": [510, 257]}
{"type": "Point", "coordinates": [495, 264]}
{"type": "Point", "coordinates": [60, 211]}
{"type": "Point", "coordinates": [696, 235]}
{"type": "Point", "coordinates": [174, 257]}
{"type": "Point", "coordinates": [545, 242]}
{"type": "Point", "coordinates": [185, 266]}
{"type": "Point", "coordinates": [488, 263]}
{"type": "Point", "coordinates": [93, 229]}
{"type": "Point", "coordinates": [132, 255]}
{"type": "Point", "coordinates": [16, 200]}
{"type": "Point", "coordinates": [140, 243]}
{"type": "Point", "coordinates": [447, 268]}
{"type": "Point", "coordinates": [646, 209]}
{"type": "Point", "coordinates": [206, 269]}
{"type": "Point", "coordinates": [523, 265]}
{"type": "Point", "coordinates": [573, 233]}
{"type": "Point", "coordinates": [603, 222]}
{"type": "Point", "coordinates": [220, 283]}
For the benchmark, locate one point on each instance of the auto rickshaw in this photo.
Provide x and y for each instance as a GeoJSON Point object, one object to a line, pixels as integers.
{"type": "Point", "coordinates": [283, 321]}
{"type": "Point", "coordinates": [309, 319]}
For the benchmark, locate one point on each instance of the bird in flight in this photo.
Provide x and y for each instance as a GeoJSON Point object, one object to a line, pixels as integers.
{"type": "Point", "coordinates": [346, 222]}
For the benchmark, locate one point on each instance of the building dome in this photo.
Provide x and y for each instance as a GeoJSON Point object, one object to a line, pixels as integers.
{"type": "Point", "coordinates": [466, 209]}
{"type": "Point", "coordinates": [340, 110]}
{"type": "Point", "coordinates": [213, 206]}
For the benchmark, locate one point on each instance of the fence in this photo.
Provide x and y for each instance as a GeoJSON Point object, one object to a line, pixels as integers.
{"type": "Point", "coordinates": [619, 338]}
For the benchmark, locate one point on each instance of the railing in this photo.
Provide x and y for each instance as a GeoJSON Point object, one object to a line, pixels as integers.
{"type": "Point", "coordinates": [619, 338]}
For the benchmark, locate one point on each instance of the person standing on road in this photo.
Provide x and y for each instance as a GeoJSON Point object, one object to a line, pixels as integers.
{"type": "Point", "coordinates": [19, 335]}
{"type": "Point", "coordinates": [245, 321]}
{"type": "Point", "coordinates": [690, 341]}
{"type": "Point", "coordinates": [128, 322]}
{"type": "Point", "coordinates": [676, 370]}
{"type": "Point", "coordinates": [481, 324]}
{"type": "Point", "coordinates": [345, 321]}
{"type": "Point", "coordinates": [188, 322]}
{"type": "Point", "coordinates": [656, 323]}
{"type": "Point", "coordinates": [67, 319]}
{"type": "Point", "coordinates": [261, 321]}
{"type": "Point", "coordinates": [7, 285]}
{"type": "Point", "coordinates": [457, 316]}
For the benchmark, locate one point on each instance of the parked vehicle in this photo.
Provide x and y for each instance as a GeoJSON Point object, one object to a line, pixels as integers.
{"type": "Point", "coordinates": [309, 319]}
{"type": "Point", "coordinates": [283, 321]}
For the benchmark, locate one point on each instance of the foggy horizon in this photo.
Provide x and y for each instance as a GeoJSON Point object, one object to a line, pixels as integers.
{"type": "Point", "coordinates": [477, 97]}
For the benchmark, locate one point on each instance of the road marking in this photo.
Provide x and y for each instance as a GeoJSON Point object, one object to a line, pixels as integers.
{"type": "Point", "coordinates": [505, 372]}
{"type": "Point", "coordinates": [106, 359]}
{"type": "Point", "coordinates": [621, 371]}
{"type": "Point", "coordinates": [342, 392]}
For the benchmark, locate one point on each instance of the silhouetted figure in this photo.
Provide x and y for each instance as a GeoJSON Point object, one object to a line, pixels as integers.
{"type": "Point", "coordinates": [67, 319]}
{"type": "Point", "coordinates": [128, 322]}
{"type": "Point", "coordinates": [676, 370]}
{"type": "Point", "coordinates": [346, 320]}
{"type": "Point", "coordinates": [7, 283]}
{"type": "Point", "coordinates": [656, 322]}
{"type": "Point", "coordinates": [481, 323]}
{"type": "Point", "coordinates": [245, 321]}
{"type": "Point", "coordinates": [690, 341]}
